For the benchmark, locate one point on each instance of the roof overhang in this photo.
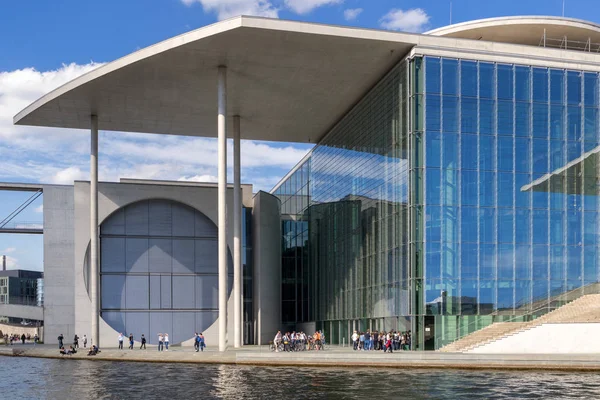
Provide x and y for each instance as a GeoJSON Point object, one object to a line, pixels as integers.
{"type": "Point", "coordinates": [289, 81]}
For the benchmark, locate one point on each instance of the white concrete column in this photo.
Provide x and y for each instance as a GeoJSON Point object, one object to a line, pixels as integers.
{"type": "Point", "coordinates": [95, 333]}
{"type": "Point", "coordinates": [222, 155]}
{"type": "Point", "coordinates": [237, 236]}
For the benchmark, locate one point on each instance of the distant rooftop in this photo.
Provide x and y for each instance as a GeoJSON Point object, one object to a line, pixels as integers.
{"type": "Point", "coordinates": [535, 30]}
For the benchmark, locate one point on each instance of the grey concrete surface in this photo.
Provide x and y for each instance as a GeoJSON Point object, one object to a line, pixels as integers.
{"type": "Point", "coordinates": [112, 197]}
{"type": "Point", "coordinates": [332, 357]}
{"type": "Point", "coordinates": [266, 236]}
{"type": "Point", "coordinates": [59, 282]}
{"type": "Point", "coordinates": [19, 311]}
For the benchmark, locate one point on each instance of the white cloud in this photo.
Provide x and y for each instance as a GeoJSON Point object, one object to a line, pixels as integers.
{"type": "Point", "coordinates": [199, 178]}
{"type": "Point", "coordinates": [39, 209]}
{"type": "Point", "coordinates": [12, 262]}
{"type": "Point", "coordinates": [413, 20]}
{"type": "Point", "coordinates": [306, 6]}
{"type": "Point", "coordinates": [231, 8]}
{"type": "Point", "coordinates": [352, 13]}
{"type": "Point", "coordinates": [68, 175]}
{"type": "Point", "coordinates": [9, 250]}
{"type": "Point", "coordinates": [21, 87]}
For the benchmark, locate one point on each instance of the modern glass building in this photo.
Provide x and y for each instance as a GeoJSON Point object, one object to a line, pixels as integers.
{"type": "Point", "coordinates": [458, 192]}
{"type": "Point", "coordinates": [453, 182]}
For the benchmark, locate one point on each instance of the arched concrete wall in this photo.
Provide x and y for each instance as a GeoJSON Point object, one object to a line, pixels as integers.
{"type": "Point", "coordinates": [113, 196]}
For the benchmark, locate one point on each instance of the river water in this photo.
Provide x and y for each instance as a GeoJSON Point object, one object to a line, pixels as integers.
{"type": "Point", "coordinates": [30, 378]}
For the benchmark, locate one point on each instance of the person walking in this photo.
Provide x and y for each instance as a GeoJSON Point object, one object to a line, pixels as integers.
{"type": "Point", "coordinates": [75, 341]}
{"type": "Point", "coordinates": [84, 341]}
{"type": "Point", "coordinates": [131, 341]}
{"type": "Point", "coordinates": [143, 339]}
{"type": "Point", "coordinates": [121, 341]}
{"type": "Point", "coordinates": [196, 342]}
{"type": "Point", "coordinates": [161, 338]}
{"type": "Point", "coordinates": [202, 343]}
{"type": "Point", "coordinates": [60, 341]}
{"type": "Point", "coordinates": [166, 342]}
{"type": "Point", "coordinates": [23, 338]}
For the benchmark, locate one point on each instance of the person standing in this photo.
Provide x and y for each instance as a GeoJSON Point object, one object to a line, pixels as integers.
{"type": "Point", "coordinates": [276, 341]}
{"type": "Point", "coordinates": [23, 338]}
{"type": "Point", "coordinates": [161, 338]}
{"type": "Point", "coordinates": [60, 341]}
{"type": "Point", "coordinates": [121, 341]}
{"type": "Point", "coordinates": [143, 339]}
{"type": "Point", "coordinates": [196, 342]}
{"type": "Point", "coordinates": [355, 340]}
{"type": "Point", "coordinates": [75, 341]}
{"type": "Point", "coordinates": [84, 341]}
{"type": "Point", "coordinates": [131, 341]}
{"type": "Point", "coordinates": [166, 342]}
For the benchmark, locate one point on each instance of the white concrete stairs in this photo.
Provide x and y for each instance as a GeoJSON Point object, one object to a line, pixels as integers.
{"type": "Point", "coordinates": [585, 309]}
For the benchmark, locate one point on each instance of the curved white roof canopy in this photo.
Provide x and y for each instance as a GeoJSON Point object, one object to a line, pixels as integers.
{"type": "Point", "coordinates": [288, 81]}
{"type": "Point", "coordinates": [528, 30]}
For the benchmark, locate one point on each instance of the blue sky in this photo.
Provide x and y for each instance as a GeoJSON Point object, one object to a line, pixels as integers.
{"type": "Point", "coordinates": [44, 44]}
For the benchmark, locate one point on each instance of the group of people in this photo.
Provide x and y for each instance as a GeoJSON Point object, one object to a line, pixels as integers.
{"type": "Point", "coordinates": [76, 339]}
{"type": "Point", "coordinates": [121, 338]}
{"type": "Point", "coordinates": [15, 338]}
{"type": "Point", "coordinates": [67, 352]}
{"type": "Point", "coordinates": [163, 343]}
{"type": "Point", "coordinates": [72, 350]}
{"type": "Point", "coordinates": [386, 341]}
{"type": "Point", "coordinates": [298, 341]}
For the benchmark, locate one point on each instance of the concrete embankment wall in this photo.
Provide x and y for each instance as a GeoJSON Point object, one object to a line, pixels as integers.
{"type": "Point", "coordinates": [19, 329]}
{"type": "Point", "coordinates": [572, 338]}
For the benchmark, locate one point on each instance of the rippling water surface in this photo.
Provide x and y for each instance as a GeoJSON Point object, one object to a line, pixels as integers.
{"type": "Point", "coordinates": [30, 378]}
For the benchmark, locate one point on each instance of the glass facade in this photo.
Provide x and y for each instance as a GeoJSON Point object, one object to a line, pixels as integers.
{"type": "Point", "coordinates": [508, 191]}
{"type": "Point", "coordinates": [457, 193]}
{"type": "Point", "coordinates": [344, 220]}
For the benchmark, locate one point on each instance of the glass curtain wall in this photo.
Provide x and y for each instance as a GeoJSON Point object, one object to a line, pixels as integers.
{"type": "Point", "coordinates": [505, 183]}
{"type": "Point", "coordinates": [295, 200]}
{"type": "Point", "coordinates": [345, 220]}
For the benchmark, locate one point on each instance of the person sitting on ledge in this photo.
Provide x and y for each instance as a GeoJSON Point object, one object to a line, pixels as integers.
{"type": "Point", "coordinates": [93, 350]}
{"type": "Point", "coordinates": [62, 351]}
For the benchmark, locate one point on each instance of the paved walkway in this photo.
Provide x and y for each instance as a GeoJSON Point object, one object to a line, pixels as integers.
{"type": "Point", "coordinates": [333, 357]}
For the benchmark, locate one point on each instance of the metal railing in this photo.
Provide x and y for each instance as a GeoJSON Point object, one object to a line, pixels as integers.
{"type": "Point", "coordinates": [22, 226]}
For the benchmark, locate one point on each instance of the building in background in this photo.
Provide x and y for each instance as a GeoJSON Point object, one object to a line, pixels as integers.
{"type": "Point", "coordinates": [19, 287]}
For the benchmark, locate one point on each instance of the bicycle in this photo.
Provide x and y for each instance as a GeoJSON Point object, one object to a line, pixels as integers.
{"type": "Point", "coordinates": [279, 347]}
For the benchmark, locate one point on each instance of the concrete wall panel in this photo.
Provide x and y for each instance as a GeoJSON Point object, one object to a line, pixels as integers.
{"type": "Point", "coordinates": [59, 283]}
{"type": "Point", "coordinates": [266, 218]}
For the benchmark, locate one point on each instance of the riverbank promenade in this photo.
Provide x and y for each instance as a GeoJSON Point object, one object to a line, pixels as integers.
{"type": "Point", "coordinates": [332, 357]}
